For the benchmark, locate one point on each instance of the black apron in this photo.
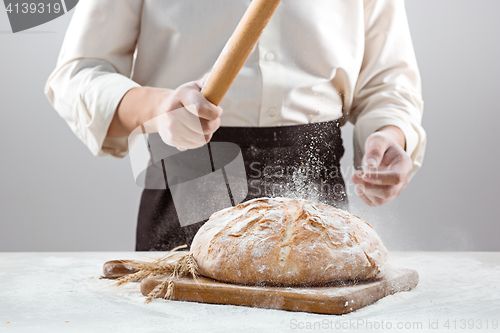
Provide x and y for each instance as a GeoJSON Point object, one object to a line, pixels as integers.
{"type": "Point", "coordinates": [301, 161]}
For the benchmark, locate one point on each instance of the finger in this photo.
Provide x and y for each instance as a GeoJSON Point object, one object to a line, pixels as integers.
{"type": "Point", "coordinates": [210, 126]}
{"type": "Point", "coordinates": [201, 82]}
{"type": "Point", "coordinates": [371, 195]}
{"type": "Point", "coordinates": [184, 143]}
{"type": "Point", "coordinates": [377, 201]}
{"type": "Point", "coordinates": [197, 104]}
{"type": "Point", "coordinates": [174, 132]}
{"type": "Point", "coordinates": [189, 96]}
{"type": "Point", "coordinates": [389, 177]}
{"type": "Point", "coordinates": [397, 165]}
{"type": "Point", "coordinates": [198, 125]}
{"type": "Point", "coordinates": [392, 154]}
{"type": "Point", "coordinates": [188, 119]}
{"type": "Point", "coordinates": [208, 137]}
{"type": "Point", "coordinates": [180, 143]}
{"type": "Point", "coordinates": [366, 200]}
{"type": "Point", "coordinates": [381, 191]}
{"type": "Point", "coordinates": [193, 85]}
{"type": "Point", "coordinates": [204, 109]}
{"type": "Point", "coordinates": [193, 122]}
{"type": "Point", "coordinates": [360, 188]}
{"type": "Point", "coordinates": [375, 148]}
{"type": "Point", "coordinates": [356, 178]}
{"type": "Point", "coordinates": [401, 161]}
{"type": "Point", "coordinates": [176, 112]}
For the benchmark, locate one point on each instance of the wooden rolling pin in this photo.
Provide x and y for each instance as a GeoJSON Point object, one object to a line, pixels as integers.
{"type": "Point", "coordinates": [238, 49]}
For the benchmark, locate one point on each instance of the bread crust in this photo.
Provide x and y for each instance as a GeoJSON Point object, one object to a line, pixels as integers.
{"type": "Point", "coordinates": [282, 241]}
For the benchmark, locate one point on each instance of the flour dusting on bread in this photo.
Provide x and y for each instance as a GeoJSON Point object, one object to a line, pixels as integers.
{"type": "Point", "coordinates": [282, 241]}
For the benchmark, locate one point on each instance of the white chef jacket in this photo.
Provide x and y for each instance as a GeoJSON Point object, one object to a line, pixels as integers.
{"type": "Point", "coordinates": [317, 60]}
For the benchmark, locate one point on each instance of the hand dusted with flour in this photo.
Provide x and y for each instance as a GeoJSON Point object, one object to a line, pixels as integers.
{"type": "Point", "coordinates": [281, 241]}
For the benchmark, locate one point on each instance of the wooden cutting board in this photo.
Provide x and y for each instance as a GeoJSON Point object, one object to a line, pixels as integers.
{"type": "Point", "coordinates": [339, 298]}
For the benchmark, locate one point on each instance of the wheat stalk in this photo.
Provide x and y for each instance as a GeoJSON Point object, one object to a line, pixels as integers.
{"type": "Point", "coordinates": [168, 265]}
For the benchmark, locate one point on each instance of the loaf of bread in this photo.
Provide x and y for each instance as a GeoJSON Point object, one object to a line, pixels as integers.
{"type": "Point", "coordinates": [282, 241]}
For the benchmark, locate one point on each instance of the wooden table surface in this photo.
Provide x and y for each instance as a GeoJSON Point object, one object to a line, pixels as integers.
{"type": "Point", "coordinates": [62, 292]}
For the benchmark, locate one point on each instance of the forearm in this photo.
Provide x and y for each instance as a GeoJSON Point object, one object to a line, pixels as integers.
{"type": "Point", "coordinates": [183, 117]}
{"type": "Point", "coordinates": [137, 106]}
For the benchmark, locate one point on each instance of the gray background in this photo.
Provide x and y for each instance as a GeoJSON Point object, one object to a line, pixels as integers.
{"type": "Point", "coordinates": [55, 196]}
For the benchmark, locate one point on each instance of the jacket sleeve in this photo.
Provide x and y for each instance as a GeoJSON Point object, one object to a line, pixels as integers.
{"type": "Point", "coordinates": [388, 90]}
{"type": "Point", "coordinates": [93, 70]}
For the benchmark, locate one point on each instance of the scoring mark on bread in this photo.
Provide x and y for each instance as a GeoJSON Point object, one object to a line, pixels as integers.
{"type": "Point", "coordinates": [318, 226]}
{"type": "Point", "coordinates": [373, 266]}
{"type": "Point", "coordinates": [316, 223]}
{"type": "Point", "coordinates": [234, 226]}
{"type": "Point", "coordinates": [285, 243]}
{"type": "Point", "coordinates": [245, 226]}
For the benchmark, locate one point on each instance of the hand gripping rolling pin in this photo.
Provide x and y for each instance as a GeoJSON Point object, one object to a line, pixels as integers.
{"type": "Point", "coordinates": [238, 49]}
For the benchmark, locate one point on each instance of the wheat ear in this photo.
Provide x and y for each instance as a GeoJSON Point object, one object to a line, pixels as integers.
{"type": "Point", "coordinates": [183, 266]}
{"type": "Point", "coordinates": [160, 266]}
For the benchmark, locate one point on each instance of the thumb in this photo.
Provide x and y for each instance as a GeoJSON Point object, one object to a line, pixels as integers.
{"type": "Point", "coordinates": [201, 82]}
{"type": "Point", "coordinates": [375, 148]}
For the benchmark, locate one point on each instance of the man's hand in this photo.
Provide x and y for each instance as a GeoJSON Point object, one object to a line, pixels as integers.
{"type": "Point", "coordinates": [183, 117]}
{"type": "Point", "coordinates": [186, 118]}
{"type": "Point", "coordinates": [386, 167]}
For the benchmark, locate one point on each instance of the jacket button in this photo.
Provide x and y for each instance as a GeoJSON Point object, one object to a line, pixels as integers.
{"type": "Point", "coordinates": [270, 56]}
